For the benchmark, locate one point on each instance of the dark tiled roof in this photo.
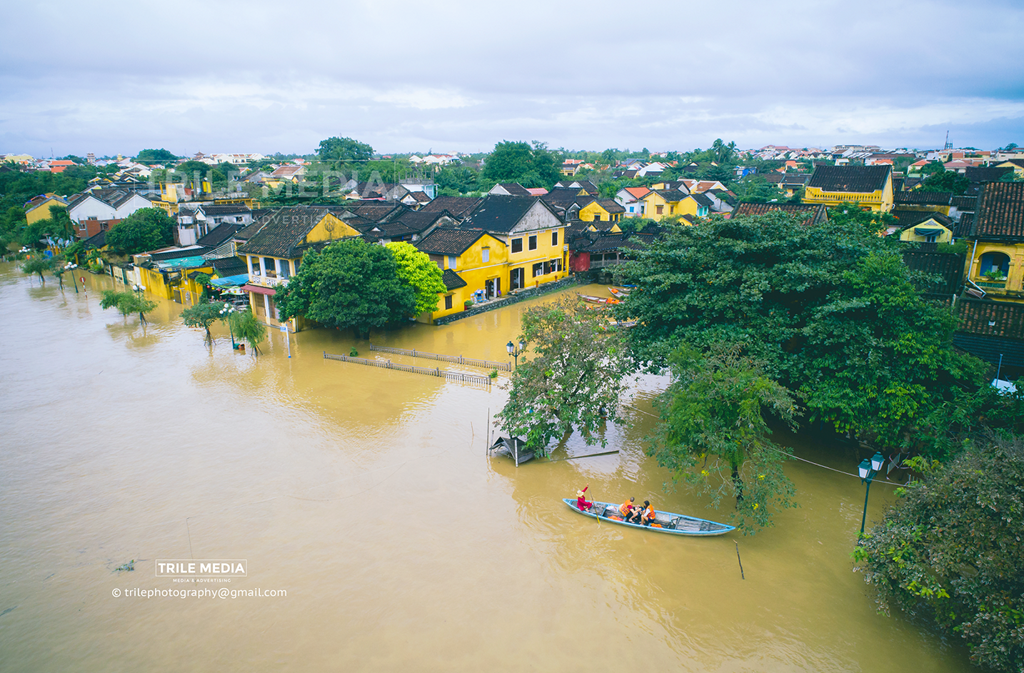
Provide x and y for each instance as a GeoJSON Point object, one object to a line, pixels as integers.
{"type": "Point", "coordinates": [670, 195]}
{"type": "Point", "coordinates": [1000, 213]}
{"type": "Point", "coordinates": [991, 318]}
{"type": "Point", "coordinates": [449, 241]}
{"type": "Point", "coordinates": [796, 178]}
{"type": "Point", "coordinates": [910, 218]}
{"type": "Point", "coordinates": [965, 203]}
{"type": "Point", "coordinates": [851, 179]}
{"type": "Point", "coordinates": [418, 220]}
{"type": "Point", "coordinates": [562, 197]}
{"type": "Point", "coordinates": [378, 211]}
{"type": "Point", "coordinates": [809, 214]}
{"type": "Point", "coordinates": [514, 189]}
{"type": "Point", "coordinates": [994, 350]}
{"type": "Point", "coordinates": [964, 226]}
{"type": "Point", "coordinates": [459, 206]}
{"type": "Point", "coordinates": [219, 234]}
{"type": "Point", "coordinates": [897, 185]}
{"type": "Point", "coordinates": [500, 214]}
{"type": "Point", "coordinates": [611, 205]}
{"type": "Point", "coordinates": [420, 197]}
{"type": "Point", "coordinates": [950, 268]}
{"type": "Point", "coordinates": [922, 198]}
{"type": "Point", "coordinates": [702, 200]}
{"type": "Point", "coordinates": [284, 231]}
{"type": "Point", "coordinates": [229, 266]}
{"type": "Point", "coordinates": [982, 174]}
{"type": "Point", "coordinates": [96, 240]}
{"type": "Point", "coordinates": [452, 280]}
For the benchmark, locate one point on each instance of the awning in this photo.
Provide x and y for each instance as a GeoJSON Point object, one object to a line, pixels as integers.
{"type": "Point", "coordinates": [231, 281]}
{"type": "Point", "coordinates": [926, 231]}
{"type": "Point", "coordinates": [260, 290]}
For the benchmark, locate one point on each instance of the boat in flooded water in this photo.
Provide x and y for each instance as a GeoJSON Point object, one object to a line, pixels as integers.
{"type": "Point", "coordinates": [591, 299]}
{"type": "Point", "coordinates": [664, 522]}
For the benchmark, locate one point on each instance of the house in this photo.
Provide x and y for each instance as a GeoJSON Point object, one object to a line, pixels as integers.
{"type": "Point", "coordinates": [274, 254]}
{"type": "Point", "coordinates": [810, 215]}
{"type": "Point", "coordinates": [38, 208]}
{"type": "Point", "coordinates": [600, 210]}
{"type": "Point", "coordinates": [585, 185]}
{"type": "Point", "coordinates": [1016, 165]}
{"type": "Point", "coordinates": [992, 331]}
{"type": "Point", "coordinates": [509, 189]}
{"type": "Point", "coordinates": [630, 198]}
{"type": "Point", "coordinates": [458, 207]}
{"type": "Point", "coordinates": [105, 204]}
{"type": "Point", "coordinates": [533, 233]}
{"type": "Point", "coordinates": [195, 221]}
{"type": "Point", "coordinates": [996, 264]}
{"type": "Point", "coordinates": [474, 263]}
{"type": "Point", "coordinates": [924, 227]}
{"type": "Point", "coordinates": [868, 186]}
{"type": "Point", "coordinates": [287, 173]}
{"type": "Point", "coordinates": [666, 202]}
{"type": "Point", "coordinates": [60, 165]}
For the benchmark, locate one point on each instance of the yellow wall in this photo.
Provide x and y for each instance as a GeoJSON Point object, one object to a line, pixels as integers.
{"type": "Point", "coordinates": [42, 211]}
{"type": "Point", "coordinates": [685, 206]}
{"type": "Point", "coordinates": [908, 234]}
{"type": "Point", "coordinates": [527, 258]}
{"type": "Point", "coordinates": [328, 228]}
{"type": "Point", "coordinates": [878, 200]}
{"type": "Point", "coordinates": [595, 211]}
{"type": "Point", "coordinates": [1011, 289]}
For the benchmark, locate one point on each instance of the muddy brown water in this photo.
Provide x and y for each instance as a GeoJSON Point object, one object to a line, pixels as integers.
{"type": "Point", "coordinates": [367, 495]}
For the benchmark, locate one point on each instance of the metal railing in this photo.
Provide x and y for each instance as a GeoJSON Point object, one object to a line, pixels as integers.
{"type": "Point", "coordinates": [458, 377]}
{"type": "Point", "coordinates": [456, 359]}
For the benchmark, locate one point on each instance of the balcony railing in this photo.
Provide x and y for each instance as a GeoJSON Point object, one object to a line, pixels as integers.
{"type": "Point", "coordinates": [267, 281]}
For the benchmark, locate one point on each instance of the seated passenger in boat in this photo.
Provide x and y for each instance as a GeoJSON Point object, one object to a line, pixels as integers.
{"type": "Point", "coordinates": [626, 508]}
{"type": "Point", "coordinates": [637, 512]}
{"type": "Point", "coordinates": [647, 518]}
{"type": "Point", "coordinates": [581, 501]}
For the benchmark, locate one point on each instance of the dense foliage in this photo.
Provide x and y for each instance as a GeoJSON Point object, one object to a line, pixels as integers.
{"type": "Point", "coordinates": [203, 315]}
{"type": "Point", "coordinates": [343, 150]}
{"type": "Point", "coordinates": [151, 156]}
{"type": "Point", "coordinates": [350, 283]}
{"type": "Point", "coordinates": [572, 378]}
{"type": "Point", "coordinates": [417, 271]}
{"type": "Point", "coordinates": [831, 311]}
{"type": "Point", "coordinates": [952, 551]}
{"type": "Point", "coordinates": [245, 327]}
{"type": "Point", "coordinates": [145, 229]}
{"type": "Point", "coordinates": [945, 181]}
{"type": "Point", "coordinates": [127, 303]}
{"type": "Point", "coordinates": [713, 434]}
{"type": "Point", "coordinates": [530, 166]}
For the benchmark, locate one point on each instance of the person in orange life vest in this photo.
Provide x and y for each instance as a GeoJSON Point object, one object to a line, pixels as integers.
{"type": "Point", "coordinates": [581, 500]}
{"type": "Point", "coordinates": [648, 515]}
{"type": "Point", "coordinates": [626, 508]}
{"type": "Point", "coordinates": [636, 513]}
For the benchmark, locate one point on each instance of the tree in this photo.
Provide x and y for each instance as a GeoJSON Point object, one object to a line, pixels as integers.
{"type": "Point", "coordinates": [203, 315]}
{"type": "Point", "coordinates": [350, 283]}
{"type": "Point", "coordinates": [456, 180]}
{"type": "Point", "coordinates": [950, 551]}
{"type": "Point", "coordinates": [145, 229]}
{"type": "Point", "coordinates": [343, 150]}
{"type": "Point", "coordinates": [573, 378]}
{"type": "Point", "coordinates": [830, 310]}
{"type": "Point", "coordinates": [518, 162]}
{"type": "Point", "coordinates": [945, 181]}
{"type": "Point", "coordinates": [160, 156]}
{"type": "Point", "coordinates": [38, 263]}
{"type": "Point", "coordinates": [417, 271]}
{"type": "Point", "coordinates": [714, 435]}
{"type": "Point", "coordinates": [247, 328]}
{"type": "Point", "coordinates": [127, 303]}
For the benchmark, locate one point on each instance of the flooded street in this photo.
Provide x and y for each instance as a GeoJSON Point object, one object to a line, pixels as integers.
{"type": "Point", "coordinates": [368, 496]}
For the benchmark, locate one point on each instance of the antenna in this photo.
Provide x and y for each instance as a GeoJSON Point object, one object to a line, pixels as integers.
{"type": "Point", "coordinates": [948, 145]}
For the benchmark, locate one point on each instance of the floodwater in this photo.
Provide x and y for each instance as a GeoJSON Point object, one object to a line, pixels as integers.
{"type": "Point", "coordinates": [367, 496]}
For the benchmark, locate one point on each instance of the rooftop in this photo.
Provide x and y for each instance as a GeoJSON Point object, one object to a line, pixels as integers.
{"type": "Point", "coordinates": [850, 179]}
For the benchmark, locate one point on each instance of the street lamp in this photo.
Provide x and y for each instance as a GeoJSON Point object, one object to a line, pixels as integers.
{"type": "Point", "coordinates": [226, 312]}
{"type": "Point", "coordinates": [514, 351]}
{"type": "Point", "coordinates": [138, 288]}
{"type": "Point", "coordinates": [71, 267]}
{"type": "Point", "coordinates": [867, 470]}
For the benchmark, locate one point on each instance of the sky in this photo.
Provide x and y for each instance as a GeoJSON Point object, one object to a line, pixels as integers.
{"type": "Point", "coordinates": [454, 76]}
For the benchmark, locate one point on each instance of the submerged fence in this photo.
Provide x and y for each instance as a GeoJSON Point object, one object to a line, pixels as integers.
{"type": "Point", "coordinates": [458, 377]}
{"type": "Point", "coordinates": [457, 359]}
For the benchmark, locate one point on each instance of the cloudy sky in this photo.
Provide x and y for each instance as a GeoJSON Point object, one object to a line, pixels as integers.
{"type": "Point", "coordinates": [451, 75]}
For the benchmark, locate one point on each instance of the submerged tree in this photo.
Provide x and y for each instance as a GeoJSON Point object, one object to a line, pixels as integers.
{"type": "Point", "coordinates": [203, 315]}
{"type": "Point", "coordinates": [714, 435]}
{"type": "Point", "coordinates": [38, 263]}
{"type": "Point", "coordinates": [951, 551]}
{"type": "Point", "coordinates": [573, 378]}
{"type": "Point", "coordinates": [127, 303]}
{"type": "Point", "coordinates": [417, 271]}
{"type": "Point", "coordinates": [245, 327]}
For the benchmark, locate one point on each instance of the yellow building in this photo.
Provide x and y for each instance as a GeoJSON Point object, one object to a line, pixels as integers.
{"type": "Point", "coordinates": [474, 264]}
{"type": "Point", "coordinates": [39, 207]}
{"type": "Point", "coordinates": [1016, 164]}
{"type": "Point", "coordinates": [601, 210]}
{"type": "Point", "coordinates": [274, 254]}
{"type": "Point", "coordinates": [996, 237]}
{"type": "Point", "coordinates": [925, 227]}
{"type": "Point", "coordinates": [667, 202]}
{"type": "Point", "coordinates": [868, 186]}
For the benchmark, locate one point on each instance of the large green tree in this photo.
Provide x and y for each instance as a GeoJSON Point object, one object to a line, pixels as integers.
{"type": "Point", "coordinates": [714, 435]}
{"type": "Point", "coordinates": [945, 181]}
{"type": "Point", "coordinates": [417, 271]}
{"type": "Point", "coordinates": [350, 283]}
{"type": "Point", "coordinates": [203, 315]}
{"type": "Point", "coordinates": [830, 310]}
{"type": "Point", "coordinates": [951, 552]}
{"type": "Point", "coordinates": [151, 156]}
{"type": "Point", "coordinates": [530, 165]}
{"type": "Point", "coordinates": [572, 378]}
{"type": "Point", "coordinates": [38, 263]}
{"type": "Point", "coordinates": [145, 229]}
{"type": "Point", "coordinates": [343, 150]}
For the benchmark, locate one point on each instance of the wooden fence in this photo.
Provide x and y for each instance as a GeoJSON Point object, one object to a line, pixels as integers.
{"type": "Point", "coordinates": [458, 377]}
{"type": "Point", "coordinates": [457, 359]}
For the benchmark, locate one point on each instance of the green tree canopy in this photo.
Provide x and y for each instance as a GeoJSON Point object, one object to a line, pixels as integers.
{"type": "Point", "coordinates": [417, 271]}
{"type": "Point", "coordinates": [951, 552]}
{"type": "Point", "coordinates": [203, 315]}
{"type": "Point", "coordinates": [343, 150]}
{"type": "Point", "coordinates": [572, 378]}
{"type": "Point", "coordinates": [160, 156]}
{"type": "Point", "coordinates": [127, 303]}
{"type": "Point", "coordinates": [247, 328]}
{"type": "Point", "coordinates": [38, 263]}
{"type": "Point", "coordinates": [830, 310]}
{"type": "Point", "coordinates": [945, 181]}
{"type": "Point", "coordinates": [530, 166]}
{"type": "Point", "coordinates": [456, 180]}
{"type": "Point", "coordinates": [145, 229]}
{"type": "Point", "coordinates": [350, 283]}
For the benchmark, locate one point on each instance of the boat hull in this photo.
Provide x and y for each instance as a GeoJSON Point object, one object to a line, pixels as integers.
{"type": "Point", "coordinates": [684, 525]}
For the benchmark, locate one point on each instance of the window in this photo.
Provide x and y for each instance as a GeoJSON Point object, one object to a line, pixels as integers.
{"type": "Point", "coordinates": [284, 268]}
{"type": "Point", "coordinates": [451, 262]}
{"type": "Point", "coordinates": [447, 301]}
{"type": "Point", "coordinates": [485, 254]}
{"type": "Point", "coordinates": [554, 238]}
{"type": "Point", "coordinates": [297, 262]}
{"type": "Point", "coordinates": [658, 209]}
{"type": "Point", "coordinates": [538, 269]}
{"type": "Point", "coordinates": [268, 266]}
{"type": "Point", "coordinates": [517, 245]}
{"type": "Point", "coordinates": [533, 243]}
{"type": "Point", "coordinates": [552, 266]}
{"type": "Point", "coordinates": [994, 265]}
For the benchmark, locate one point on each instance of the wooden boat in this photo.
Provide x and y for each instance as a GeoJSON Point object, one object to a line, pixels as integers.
{"type": "Point", "coordinates": [598, 300]}
{"type": "Point", "coordinates": [664, 522]}
{"type": "Point", "coordinates": [619, 292]}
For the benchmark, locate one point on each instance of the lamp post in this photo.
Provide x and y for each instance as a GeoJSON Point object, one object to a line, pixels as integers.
{"type": "Point", "coordinates": [139, 289]}
{"type": "Point", "coordinates": [226, 312]}
{"type": "Point", "coordinates": [515, 351]}
{"type": "Point", "coordinates": [71, 267]}
{"type": "Point", "coordinates": [867, 470]}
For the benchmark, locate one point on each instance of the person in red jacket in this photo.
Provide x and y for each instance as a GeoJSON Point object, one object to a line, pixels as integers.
{"type": "Point", "coordinates": [581, 500]}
